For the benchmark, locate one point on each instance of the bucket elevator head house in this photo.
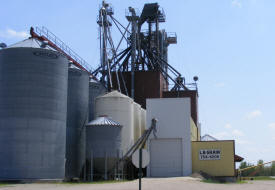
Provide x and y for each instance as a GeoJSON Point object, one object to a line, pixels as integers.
{"type": "Point", "coordinates": [141, 70]}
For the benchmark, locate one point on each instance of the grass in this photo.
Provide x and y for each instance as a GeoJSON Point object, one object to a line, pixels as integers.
{"type": "Point", "coordinates": [95, 182]}
{"type": "Point", "coordinates": [258, 178]}
{"type": "Point", "coordinates": [5, 184]}
{"type": "Point", "coordinates": [219, 182]}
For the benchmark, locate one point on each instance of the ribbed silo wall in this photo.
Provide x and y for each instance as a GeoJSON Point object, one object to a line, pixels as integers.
{"type": "Point", "coordinates": [33, 108]}
{"type": "Point", "coordinates": [95, 89]}
{"type": "Point", "coordinates": [143, 121]}
{"type": "Point", "coordinates": [101, 142]}
{"type": "Point", "coordinates": [119, 108]}
{"type": "Point", "coordinates": [137, 121]}
{"type": "Point", "coordinates": [77, 114]}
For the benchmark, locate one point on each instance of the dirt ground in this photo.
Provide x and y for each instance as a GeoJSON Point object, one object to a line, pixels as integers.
{"type": "Point", "coordinates": [178, 183]}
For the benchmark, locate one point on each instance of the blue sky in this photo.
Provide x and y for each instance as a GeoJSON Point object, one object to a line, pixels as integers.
{"type": "Point", "coordinates": [229, 44]}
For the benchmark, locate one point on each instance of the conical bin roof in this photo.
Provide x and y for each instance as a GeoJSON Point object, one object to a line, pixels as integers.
{"type": "Point", "coordinates": [30, 43]}
{"type": "Point", "coordinates": [103, 121]}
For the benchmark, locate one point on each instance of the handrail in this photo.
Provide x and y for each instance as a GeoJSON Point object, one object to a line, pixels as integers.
{"type": "Point", "coordinates": [60, 44]}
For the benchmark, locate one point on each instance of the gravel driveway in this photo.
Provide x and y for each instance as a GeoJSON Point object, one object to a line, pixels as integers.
{"type": "Point", "coordinates": [178, 183]}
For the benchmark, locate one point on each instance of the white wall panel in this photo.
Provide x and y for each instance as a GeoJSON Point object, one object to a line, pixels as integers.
{"type": "Point", "coordinates": [173, 115]}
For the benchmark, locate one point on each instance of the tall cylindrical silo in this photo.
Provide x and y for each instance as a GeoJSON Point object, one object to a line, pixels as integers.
{"type": "Point", "coordinates": [78, 99]}
{"type": "Point", "coordinates": [103, 143]}
{"type": "Point", "coordinates": [119, 108]}
{"type": "Point", "coordinates": [143, 121]}
{"type": "Point", "coordinates": [137, 121]}
{"type": "Point", "coordinates": [33, 108]}
{"type": "Point", "coordinates": [95, 89]}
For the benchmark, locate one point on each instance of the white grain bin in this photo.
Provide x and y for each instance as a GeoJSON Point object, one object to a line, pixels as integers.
{"type": "Point", "coordinates": [137, 121]}
{"type": "Point", "coordinates": [119, 108]}
{"type": "Point", "coordinates": [143, 121]}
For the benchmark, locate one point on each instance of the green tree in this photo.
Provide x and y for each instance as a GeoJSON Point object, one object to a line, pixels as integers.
{"type": "Point", "coordinates": [247, 172]}
{"type": "Point", "coordinates": [243, 165]}
{"type": "Point", "coordinates": [272, 172]}
{"type": "Point", "coordinates": [261, 169]}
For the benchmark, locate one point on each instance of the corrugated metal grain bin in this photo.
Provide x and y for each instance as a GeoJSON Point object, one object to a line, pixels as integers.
{"type": "Point", "coordinates": [33, 108]}
{"type": "Point", "coordinates": [95, 89]}
{"type": "Point", "coordinates": [77, 114]}
{"type": "Point", "coordinates": [103, 141]}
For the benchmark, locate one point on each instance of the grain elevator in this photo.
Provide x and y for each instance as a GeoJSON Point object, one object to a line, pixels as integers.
{"type": "Point", "coordinates": [61, 119]}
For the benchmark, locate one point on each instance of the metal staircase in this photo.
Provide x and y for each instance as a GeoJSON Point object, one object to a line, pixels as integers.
{"type": "Point", "coordinates": [44, 34]}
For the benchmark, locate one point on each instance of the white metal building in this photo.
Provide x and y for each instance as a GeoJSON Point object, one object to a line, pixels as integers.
{"type": "Point", "coordinates": [171, 151]}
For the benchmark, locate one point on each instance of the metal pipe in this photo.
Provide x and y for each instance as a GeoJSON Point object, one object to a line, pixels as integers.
{"type": "Point", "coordinates": [157, 36]}
{"type": "Point", "coordinates": [140, 169]}
{"type": "Point", "coordinates": [124, 52]}
{"type": "Point", "coordinates": [126, 29]}
{"type": "Point", "coordinates": [115, 20]}
{"type": "Point", "coordinates": [133, 52]}
{"type": "Point", "coordinates": [123, 36]}
{"type": "Point", "coordinates": [149, 34]}
{"type": "Point", "coordinates": [173, 79]}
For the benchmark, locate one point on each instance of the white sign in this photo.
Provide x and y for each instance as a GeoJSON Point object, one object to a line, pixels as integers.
{"type": "Point", "coordinates": [145, 158]}
{"type": "Point", "coordinates": [210, 154]}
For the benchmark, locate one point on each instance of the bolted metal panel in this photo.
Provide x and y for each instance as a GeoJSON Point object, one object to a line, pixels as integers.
{"type": "Point", "coordinates": [103, 140]}
{"type": "Point", "coordinates": [95, 89]}
{"type": "Point", "coordinates": [78, 99]}
{"type": "Point", "coordinates": [33, 108]}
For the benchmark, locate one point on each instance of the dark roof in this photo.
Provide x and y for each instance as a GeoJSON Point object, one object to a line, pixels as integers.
{"type": "Point", "coordinates": [238, 158]}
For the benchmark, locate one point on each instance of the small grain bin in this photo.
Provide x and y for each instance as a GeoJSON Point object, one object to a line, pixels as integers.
{"type": "Point", "coordinates": [103, 142]}
{"type": "Point", "coordinates": [120, 108]}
